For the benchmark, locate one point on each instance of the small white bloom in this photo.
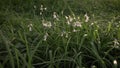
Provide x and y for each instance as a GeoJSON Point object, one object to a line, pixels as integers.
{"type": "Point", "coordinates": [30, 27]}
{"type": "Point", "coordinates": [78, 18]}
{"type": "Point", "coordinates": [62, 34]}
{"type": "Point", "coordinates": [74, 18]}
{"type": "Point", "coordinates": [45, 8]}
{"type": "Point", "coordinates": [74, 30]}
{"type": "Point", "coordinates": [40, 13]}
{"type": "Point", "coordinates": [93, 66]}
{"type": "Point", "coordinates": [85, 35]}
{"type": "Point", "coordinates": [62, 12]}
{"type": "Point", "coordinates": [70, 19]}
{"type": "Point", "coordinates": [66, 35]}
{"type": "Point", "coordinates": [115, 62]}
{"type": "Point", "coordinates": [55, 16]}
{"type": "Point", "coordinates": [96, 30]}
{"type": "Point", "coordinates": [34, 6]}
{"type": "Point", "coordinates": [99, 41]}
{"type": "Point", "coordinates": [86, 17]}
{"type": "Point", "coordinates": [66, 17]}
{"type": "Point", "coordinates": [77, 24]}
{"type": "Point", "coordinates": [47, 24]}
{"type": "Point", "coordinates": [92, 24]}
{"type": "Point", "coordinates": [117, 26]}
{"type": "Point", "coordinates": [45, 36]}
{"type": "Point", "coordinates": [116, 43]}
{"type": "Point", "coordinates": [98, 26]}
{"type": "Point", "coordinates": [41, 8]}
{"type": "Point", "coordinates": [68, 22]}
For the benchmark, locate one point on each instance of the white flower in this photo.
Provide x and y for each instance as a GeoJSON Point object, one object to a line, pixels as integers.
{"type": "Point", "coordinates": [66, 17]}
{"type": "Point", "coordinates": [62, 12]}
{"type": "Point", "coordinates": [77, 24]}
{"type": "Point", "coordinates": [85, 35]}
{"type": "Point", "coordinates": [70, 19]}
{"type": "Point", "coordinates": [30, 27]}
{"type": "Point", "coordinates": [55, 16]}
{"type": "Point", "coordinates": [98, 26]}
{"type": "Point", "coordinates": [34, 6]}
{"type": "Point", "coordinates": [64, 34]}
{"type": "Point", "coordinates": [93, 66]}
{"type": "Point", "coordinates": [41, 8]}
{"type": "Point", "coordinates": [86, 17]}
{"type": "Point", "coordinates": [78, 18]}
{"type": "Point", "coordinates": [115, 62]}
{"type": "Point", "coordinates": [116, 43]}
{"type": "Point", "coordinates": [92, 24]}
{"type": "Point", "coordinates": [47, 24]}
{"type": "Point", "coordinates": [68, 22]}
{"type": "Point", "coordinates": [118, 26]}
{"type": "Point", "coordinates": [40, 13]}
{"type": "Point", "coordinates": [96, 30]}
{"type": "Point", "coordinates": [45, 8]}
{"type": "Point", "coordinates": [45, 36]}
{"type": "Point", "coordinates": [74, 30]}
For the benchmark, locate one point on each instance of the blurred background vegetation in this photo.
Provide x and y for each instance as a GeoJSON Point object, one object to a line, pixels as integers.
{"type": "Point", "coordinates": [61, 5]}
{"type": "Point", "coordinates": [26, 7]}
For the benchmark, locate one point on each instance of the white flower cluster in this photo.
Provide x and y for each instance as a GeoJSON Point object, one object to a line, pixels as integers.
{"type": "Point", "coordinates": [30, 27]}
{"type": "Point", "coordinates": [55, 16]}
{"type": "Point", "coordinates": [47, 24]}
{"type": "Point", "coordinates": [73, 21]}
{"type": "Point", "coordinates": [77, 24]}
{"type": "Point", "coordinates": [86, 17]}
{"type": "Point", "coordinates": [64, 33]}
{"type": "Point", "coordinates": [42, 9]}
{"type": "Point", "coordinates": [69, 19]}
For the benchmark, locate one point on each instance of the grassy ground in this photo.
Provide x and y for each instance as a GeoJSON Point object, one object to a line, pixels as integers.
{"type": "Point", "coordinates": [60, 34]}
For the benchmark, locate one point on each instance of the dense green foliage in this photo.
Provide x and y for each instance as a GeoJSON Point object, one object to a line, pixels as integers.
{"type": "Point", "coordinates": [60, 34]}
